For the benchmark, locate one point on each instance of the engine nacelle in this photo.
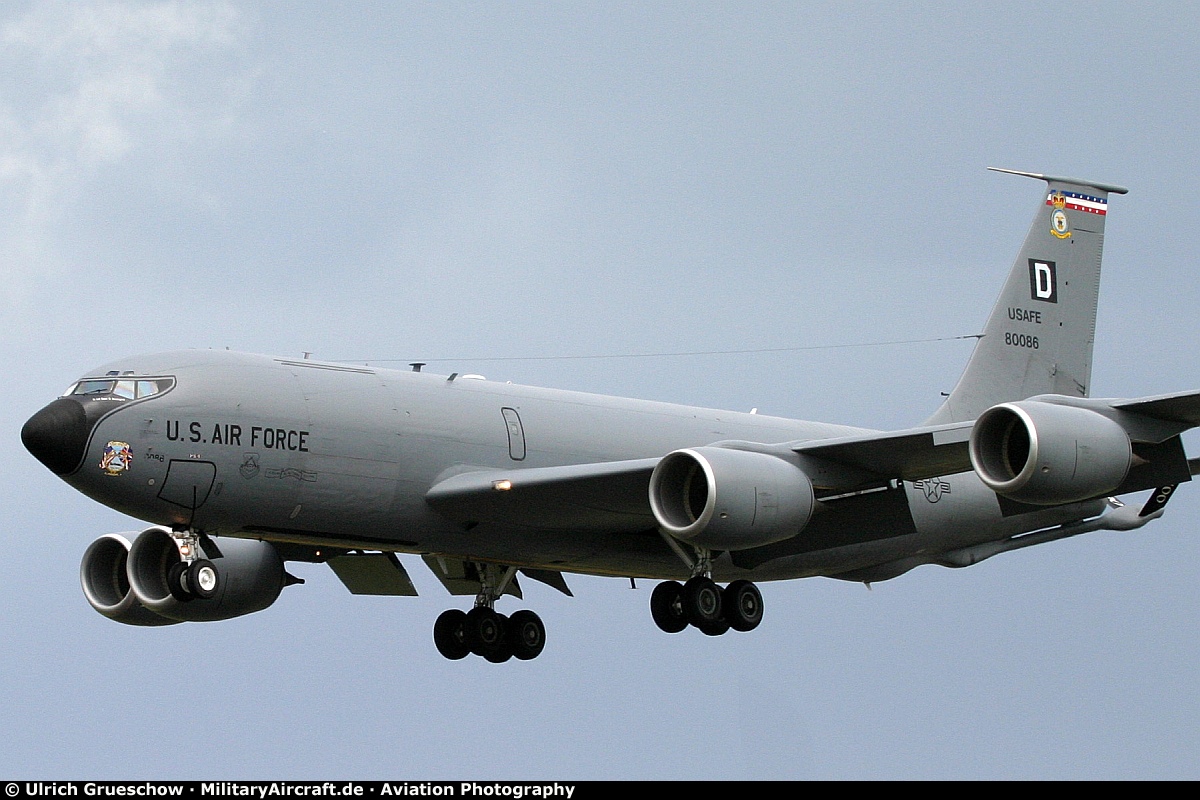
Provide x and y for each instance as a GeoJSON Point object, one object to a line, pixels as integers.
{"type": "Point", "coordinates": [1047, 454]}
{"type": "Point", "coordinates": [251, 576]}
{"type": "Point", "coordinates": [725, 499]}
{"type": "Point", "coordinates": [105, 580]}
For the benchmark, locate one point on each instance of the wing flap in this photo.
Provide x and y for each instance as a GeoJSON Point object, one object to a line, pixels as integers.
{"type": "Point", "coordinates": [461, 578]}
{"type": "Point", "coordinates": [373, 573]}
{"type": "Point", "coordinates": [554, 580]}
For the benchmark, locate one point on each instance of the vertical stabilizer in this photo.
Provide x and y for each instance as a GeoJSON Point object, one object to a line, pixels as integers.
{"type": "Point", "coordinates": [1039, 337]}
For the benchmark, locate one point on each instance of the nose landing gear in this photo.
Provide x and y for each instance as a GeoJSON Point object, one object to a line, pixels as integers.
{"type": "Point", "coordinates": [192, 576]}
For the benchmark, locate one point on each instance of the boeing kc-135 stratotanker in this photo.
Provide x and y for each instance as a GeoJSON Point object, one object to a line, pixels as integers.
{"type": "Point", "coordinates": [241, 463]}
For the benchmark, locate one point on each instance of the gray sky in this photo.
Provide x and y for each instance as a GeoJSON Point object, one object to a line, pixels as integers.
{"type": "Point", "coordinates": [471, 182]}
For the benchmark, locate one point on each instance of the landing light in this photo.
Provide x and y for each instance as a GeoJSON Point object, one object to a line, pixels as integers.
{"type": "Point", "coordinates": [502, 486]}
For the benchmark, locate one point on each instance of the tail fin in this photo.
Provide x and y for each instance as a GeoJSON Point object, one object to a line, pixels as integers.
{"type": "Point", "coordinates": [1039, 337]}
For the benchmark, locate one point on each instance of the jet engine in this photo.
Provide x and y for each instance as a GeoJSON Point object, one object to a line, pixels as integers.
{"type": "Point", "coordinates": [1047, 454]}
{"type": "Point", "coordinates": [727, 499]}
{"type": "Point", "coordinates": [129, 583]}
{"type": "Point", "coordinates": [105, 579]}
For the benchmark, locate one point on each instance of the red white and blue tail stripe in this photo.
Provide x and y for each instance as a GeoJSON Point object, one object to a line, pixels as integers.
{"type": "Point", "coordinates": [1077, 201]}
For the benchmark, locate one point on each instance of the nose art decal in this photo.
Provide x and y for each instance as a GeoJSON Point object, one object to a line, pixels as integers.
{"type": "Point", "coordinates": [118, 457]}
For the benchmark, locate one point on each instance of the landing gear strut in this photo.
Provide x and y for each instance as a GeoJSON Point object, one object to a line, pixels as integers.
{"type": "Point", "coordinates": [483, 631]}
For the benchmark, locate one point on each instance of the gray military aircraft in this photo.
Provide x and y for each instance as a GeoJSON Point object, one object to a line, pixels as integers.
{"type": "Point", "coordinates": [245, 462]}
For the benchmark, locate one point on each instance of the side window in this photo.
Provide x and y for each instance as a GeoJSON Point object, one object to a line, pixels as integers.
{"type": "Point", "coordinates": [124, 389]}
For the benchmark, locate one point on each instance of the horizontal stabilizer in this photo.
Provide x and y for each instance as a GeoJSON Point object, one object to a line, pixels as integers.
{"type": "Point", "coordinates": [1104, 187]}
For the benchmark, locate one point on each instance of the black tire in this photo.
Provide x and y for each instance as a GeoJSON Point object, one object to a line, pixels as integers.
{"type": "Point", "coordinates": [448, 635]}
{"type": "Point", "coordinates": [702, 601]}
{"type": "Point", "coordinates": [714, 628]}
{"type": "Point", "coordinates": [666, 606]}
{"type": "Point", "coordinates": [482, 630]}
{"type": "Point", "coordinates": [177, 582]}
{"type": "Point", "coordinates": [502, 650]}
{"type": "Point", "coordinates": [743, 605]}
{"type": "Point", "coordinates": [527, 635]}
{"type": "Point", "coordinates": [203, 579]}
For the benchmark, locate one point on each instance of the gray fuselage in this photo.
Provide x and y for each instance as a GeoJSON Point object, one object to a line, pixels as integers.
{"type": "Point", "coordinates": [338, 456]}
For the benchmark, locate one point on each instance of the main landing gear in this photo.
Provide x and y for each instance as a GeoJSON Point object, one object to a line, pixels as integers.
{"type": "Point", "coordinates": [703, 604]}
{"type": "Point", "coordinates": [485, 632]}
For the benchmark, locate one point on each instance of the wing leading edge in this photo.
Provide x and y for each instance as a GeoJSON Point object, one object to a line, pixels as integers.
{"type": "Point", "coordinates": [1180, 407]}
{"type": "Point", "coordinates": [611, 496]}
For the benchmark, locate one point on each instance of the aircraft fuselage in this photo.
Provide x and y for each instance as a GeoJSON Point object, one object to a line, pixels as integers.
{"type": "Point", "coordinates": [339, 456]}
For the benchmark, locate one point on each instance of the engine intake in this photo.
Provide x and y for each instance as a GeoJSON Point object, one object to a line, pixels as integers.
{"type": "Point", "coordinates": [726, 499]}
{"type": "Point", "coordinates": [250, 578]}
{"type": "Point", "coordinates": [1047, 454]}
{"type": "Point", "coordinates": [105, 580]}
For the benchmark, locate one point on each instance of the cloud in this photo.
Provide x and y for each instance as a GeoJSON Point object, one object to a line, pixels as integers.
{"type": "Point", "coordinates": [85, 86]}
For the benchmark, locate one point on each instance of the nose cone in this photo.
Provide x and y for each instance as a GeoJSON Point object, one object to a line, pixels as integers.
{"type": "Point", "coordinates": [57, 435]}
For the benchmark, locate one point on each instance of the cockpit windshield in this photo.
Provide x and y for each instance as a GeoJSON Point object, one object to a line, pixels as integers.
{"type": "Point", "coordinates": [124, 388]}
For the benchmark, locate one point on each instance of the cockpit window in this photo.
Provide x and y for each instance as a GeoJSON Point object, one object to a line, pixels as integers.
{"type": "Point", "coordinates": [126, 389]}
{"type": "Point", "coordinates": [93, 387]}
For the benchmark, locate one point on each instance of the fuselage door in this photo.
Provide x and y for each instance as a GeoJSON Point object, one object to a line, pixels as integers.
{"type": "Point", "coordinates": [516, 434]}
{"type": "Point", "coordinates": [188, 482]}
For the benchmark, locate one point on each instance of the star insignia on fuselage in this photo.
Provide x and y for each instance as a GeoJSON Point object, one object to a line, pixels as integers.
{"type": "Point", "coordinates": [932, 488]}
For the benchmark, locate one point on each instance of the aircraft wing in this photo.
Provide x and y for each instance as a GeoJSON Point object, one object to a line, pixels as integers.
{"type": "Point", "coordinates": [1182, 407]}
{"type": "Point", "coordinates": [927, 452]}
{"type": "Point", "coordinates": [613, 496]}
{"type": "Point", "coordinates": [610, 496]}
{"type": "Point", "coordinates": [910, 454]}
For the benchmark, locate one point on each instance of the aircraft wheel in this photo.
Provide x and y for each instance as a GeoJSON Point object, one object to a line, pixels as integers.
{"type": "Point", "coordinates": [502, 650]}
{"type": "Point", "coordinates": [527, 634]}
{"type": "Point", "coordinates": [448, 634]}
{"type": "Point", "coordinates": [666, 606]}
{"type": "Point", "coordinates": [483, 630]}
{"type": "Point", "coordinates": [203, 579]}
{"type": "Point", "coordinates": [702, 601]}
{"type": "Point", "coordinates": [743, 605]}
{"type": "Point", "coordinates": [177, 582]}
{"type": "Point", "coordinates": [714, 628]}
